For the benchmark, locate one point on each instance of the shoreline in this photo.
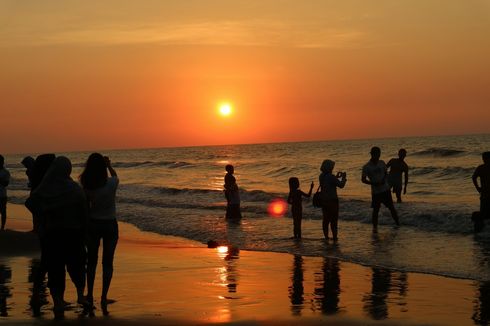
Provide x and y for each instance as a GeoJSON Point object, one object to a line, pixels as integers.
{"type": "Point", "coordinates": [169, 280]}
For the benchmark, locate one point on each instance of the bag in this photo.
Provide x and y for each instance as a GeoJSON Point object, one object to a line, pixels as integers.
{"type": "Point", "coordinates": [317, 198]}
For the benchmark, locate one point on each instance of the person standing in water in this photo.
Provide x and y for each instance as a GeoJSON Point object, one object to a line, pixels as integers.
{"type": "Point", "coordinates": [482, 172]}
{"type": "Point", "coordinates": [330, 201]}
{"type": "Point", "coordinates": [232, 194]}
{"type": "Point", "coordinates": [397, 167]}
{"type": "Point", "coordinates": [4, 182]}
{"type": "Point", "coordinates": [295, 199]}
{"type": "Point", "coordinates": [374, 174]}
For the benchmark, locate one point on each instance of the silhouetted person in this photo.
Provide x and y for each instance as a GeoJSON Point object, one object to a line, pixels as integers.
{"type": "Point", "coordinates": [482, 172]}
{"type": "Point", "coordinates": [5, 276]}
{"type": "Point", "coordinates": [41, 166]}
{"type": "Point", "coordinates": [330, 200]}
{"type": "Point", "coordinates": [397, 167]}
{"type": "Point", "coordinates": [100, 190]}
{"type": "Point", "coordinates": [232, 194]}
{"type": "Point", "coordinates": [62, 205]}
{"type": "Point", "coordinates": [375, 302]}
{"type": "Point", "coordinates": [328, 290]}
{"type": "Point", "coordinates": [295, 200]}
{"type": "Point", "coordinates": [4, 182]}
{"type": "Point", "coordinates": [374, 174]}
{"type": "Point", "coordinates": [28, 162]}
{"type": "Point", "coordinates": [296, 290]}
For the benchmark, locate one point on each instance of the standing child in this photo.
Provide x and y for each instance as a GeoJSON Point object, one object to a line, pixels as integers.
{"type": "Point", "coordinates": [295, 198]}
{"type": "Point", "coordinates": [330, 201]}
{"type": "Point", "coordinates": [232, 195]}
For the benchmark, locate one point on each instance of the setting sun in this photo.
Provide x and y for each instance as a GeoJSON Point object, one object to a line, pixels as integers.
{"type": "Point", "coordinates": [225, 109]}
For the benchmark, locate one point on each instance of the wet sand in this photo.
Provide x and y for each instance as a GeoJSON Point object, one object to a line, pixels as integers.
{"type": "Point", "coordinates": [165, 280]}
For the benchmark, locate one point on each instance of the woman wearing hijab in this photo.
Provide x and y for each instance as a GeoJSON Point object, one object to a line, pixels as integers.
{"type": "Point", "coordinates": [100, 190]}
{"type": "Point", "coordinates": [62, 205]}
{"type": "Point", "coordinates": [330, 200]}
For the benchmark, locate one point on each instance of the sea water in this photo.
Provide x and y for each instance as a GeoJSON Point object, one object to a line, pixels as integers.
{"type": "Point", "coordinates": [179, 191]}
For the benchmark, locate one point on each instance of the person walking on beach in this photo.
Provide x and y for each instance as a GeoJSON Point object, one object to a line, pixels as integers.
{"type": "Point", "coordinates": [63, 207]}
{"type": "Point", "coordinates": [374, 174]}
{"type": "Point", "coordinates": [482, 172]}
{"type": "Point", "coordinates": [4, 182]}
{"type": "Point", "coordinates": [295, 200]}
{"type": "Point", "coordinates": [330, 200]}
{"type": "Point", "coordinates": [232, 195]}
{"type": "Point", "coordinates": [397, 167]}
{"type": "Point", "coordinates": [100, 190]}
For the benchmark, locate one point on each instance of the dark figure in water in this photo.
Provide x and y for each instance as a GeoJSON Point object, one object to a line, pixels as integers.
{"type": "Point", "coordinates": [100, 190]}
{"type": "Point", "coordinates": [28, 162]}
{"type": "Point", "coordinates": [374, 174]}
{"type": "Point", "coordinates": [295, 199]}
{"type": "Point", "coordinates": [397, 167]}
{"type": "Point", "coordinates": [61, 204]}
{"type": "Point", "coordinates": [330, 201]}
{"type": "Point", "coordinates": [482, 172]}
{"type": "Point", "coordinates": [4, 182]}
{"type": "Point", "coordinates": [232, 195]}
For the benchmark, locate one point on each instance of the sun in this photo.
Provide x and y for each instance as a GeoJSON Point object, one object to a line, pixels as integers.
{"type": "Point", "coordinates": [225, 109]}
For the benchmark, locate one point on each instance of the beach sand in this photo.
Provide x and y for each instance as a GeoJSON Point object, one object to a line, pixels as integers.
{"type": "Point", "coordinates": [167, 281]}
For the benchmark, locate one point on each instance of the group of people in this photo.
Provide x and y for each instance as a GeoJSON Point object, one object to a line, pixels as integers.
{"type": "Point", "coordinates": [71, 220]}
{"type": "Point", "coordinates": [374, 173]}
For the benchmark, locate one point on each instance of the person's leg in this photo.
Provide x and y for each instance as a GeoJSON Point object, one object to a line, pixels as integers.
{"type": "Point", "coordinates": [387, 200]}
{"type": "Point", "coordinates": [398, 193]}
{"type": "Point", "coordinates": [93, 244]}
{"type": "Point", "coordinates": [326, 221]}
{"type": "Point", "coordinates": [110, 238]}
{"type": "Point", "coordinates": [3, 211]}
{"type": "Point", "coordinates": [296, 227]}
{"type": "Point", "coordinates": [56, 270]}
{"type": "Point", "coordinates": [75, 264]}
{"type": "Point", "coordinates": [334, 220]}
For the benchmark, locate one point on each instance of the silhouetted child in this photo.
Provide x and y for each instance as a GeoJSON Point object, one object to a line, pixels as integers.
{"type": "Point", "coordinates": [295, 199]}
{"type": "Point", "coordinates": [330, 200]}
{"type": "Point", "coordinates": [4, 182]}
{"type": "Point", "coordinates": [483, 172]}
{"type": "Point", "coordinates": [397, 167]}
{"type": "Point", "coordinates": [232, 195]}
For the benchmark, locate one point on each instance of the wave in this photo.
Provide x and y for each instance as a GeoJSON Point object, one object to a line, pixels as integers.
{"type": "Point", "coordinates": [442, 171]}
{"type": "Point", "coordinates": [439, 152]}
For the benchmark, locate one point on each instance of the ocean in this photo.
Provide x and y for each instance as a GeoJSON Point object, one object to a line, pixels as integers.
{"type": "Point", "coordinates": [179, 192]}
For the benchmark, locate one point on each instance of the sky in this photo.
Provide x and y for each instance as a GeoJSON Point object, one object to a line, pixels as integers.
{"type": "Point", "coordinates": [92, 75]}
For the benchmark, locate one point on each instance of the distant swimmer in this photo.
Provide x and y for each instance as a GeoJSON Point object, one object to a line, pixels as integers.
{"type": "Point", "coordinates": [482, 172]}
{"type": "Point", "coordinates": [232, 194]}
{"type": "Point", "coordinates": [374, 174]}
{"type": "Point", "coordinates": [397, 167]}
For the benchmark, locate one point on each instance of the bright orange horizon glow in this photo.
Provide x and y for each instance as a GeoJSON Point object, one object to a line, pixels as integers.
{"type": "Point", "coordinates": [150, 73]}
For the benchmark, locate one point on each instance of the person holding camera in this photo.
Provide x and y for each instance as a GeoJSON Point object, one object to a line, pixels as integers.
{"type": "Point", "coordinates": [330, 201]}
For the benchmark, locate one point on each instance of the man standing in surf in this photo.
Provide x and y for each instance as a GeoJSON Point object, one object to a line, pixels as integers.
{"type": "Point", "coordinates": [232, 195]}
{"type": "Point", "coordinates": [483, 172]}
{"type": "Point", "coordinates": [397, 167]}
{"type": "Point", "coordinates": [374, 173]}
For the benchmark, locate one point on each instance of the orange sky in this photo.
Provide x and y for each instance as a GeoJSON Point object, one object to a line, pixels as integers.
{"type": "Point", "coordinates": [123, 74]}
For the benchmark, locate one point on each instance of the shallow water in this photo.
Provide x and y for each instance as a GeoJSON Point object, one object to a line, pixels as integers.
{"type": "Point", "coordinates": [178, 191]}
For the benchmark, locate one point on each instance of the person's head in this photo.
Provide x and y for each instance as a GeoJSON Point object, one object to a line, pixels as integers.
{"type": "Point", "coordinates": [486, 157]}
{"type": "Point", "coordinates": [327, 166]}
{"type": "Point", "coordinates": [62, 167]}
{"type": "Point", "coordinates": [95, 173]}
{"type": "Point", "coordinates": [293, 183]}
{"type": "Point", "coordinates": [229, 168]}
{"type": "Point", "coordinates": [375, 153]}
{"type": "Point", "coordinates": [2, 161]}
{"type": "Point", "coordinates": [28, 162]}
{"type": "Point", "coordinates": [402, 153]}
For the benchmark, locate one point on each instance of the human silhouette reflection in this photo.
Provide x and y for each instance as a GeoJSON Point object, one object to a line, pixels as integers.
{"type": "Point", "coordinates": [375, 302]}
{"type": "Point", "coordinates": [327, 288]}
{"type": "Point", "coordinates": [39, 293]}
{"type": "Point", "coordinates": [229, 274]}
{"type": "Point", "coordinates": [296, 290]}
{"type": "Point", "coordinates": [5, 276]}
